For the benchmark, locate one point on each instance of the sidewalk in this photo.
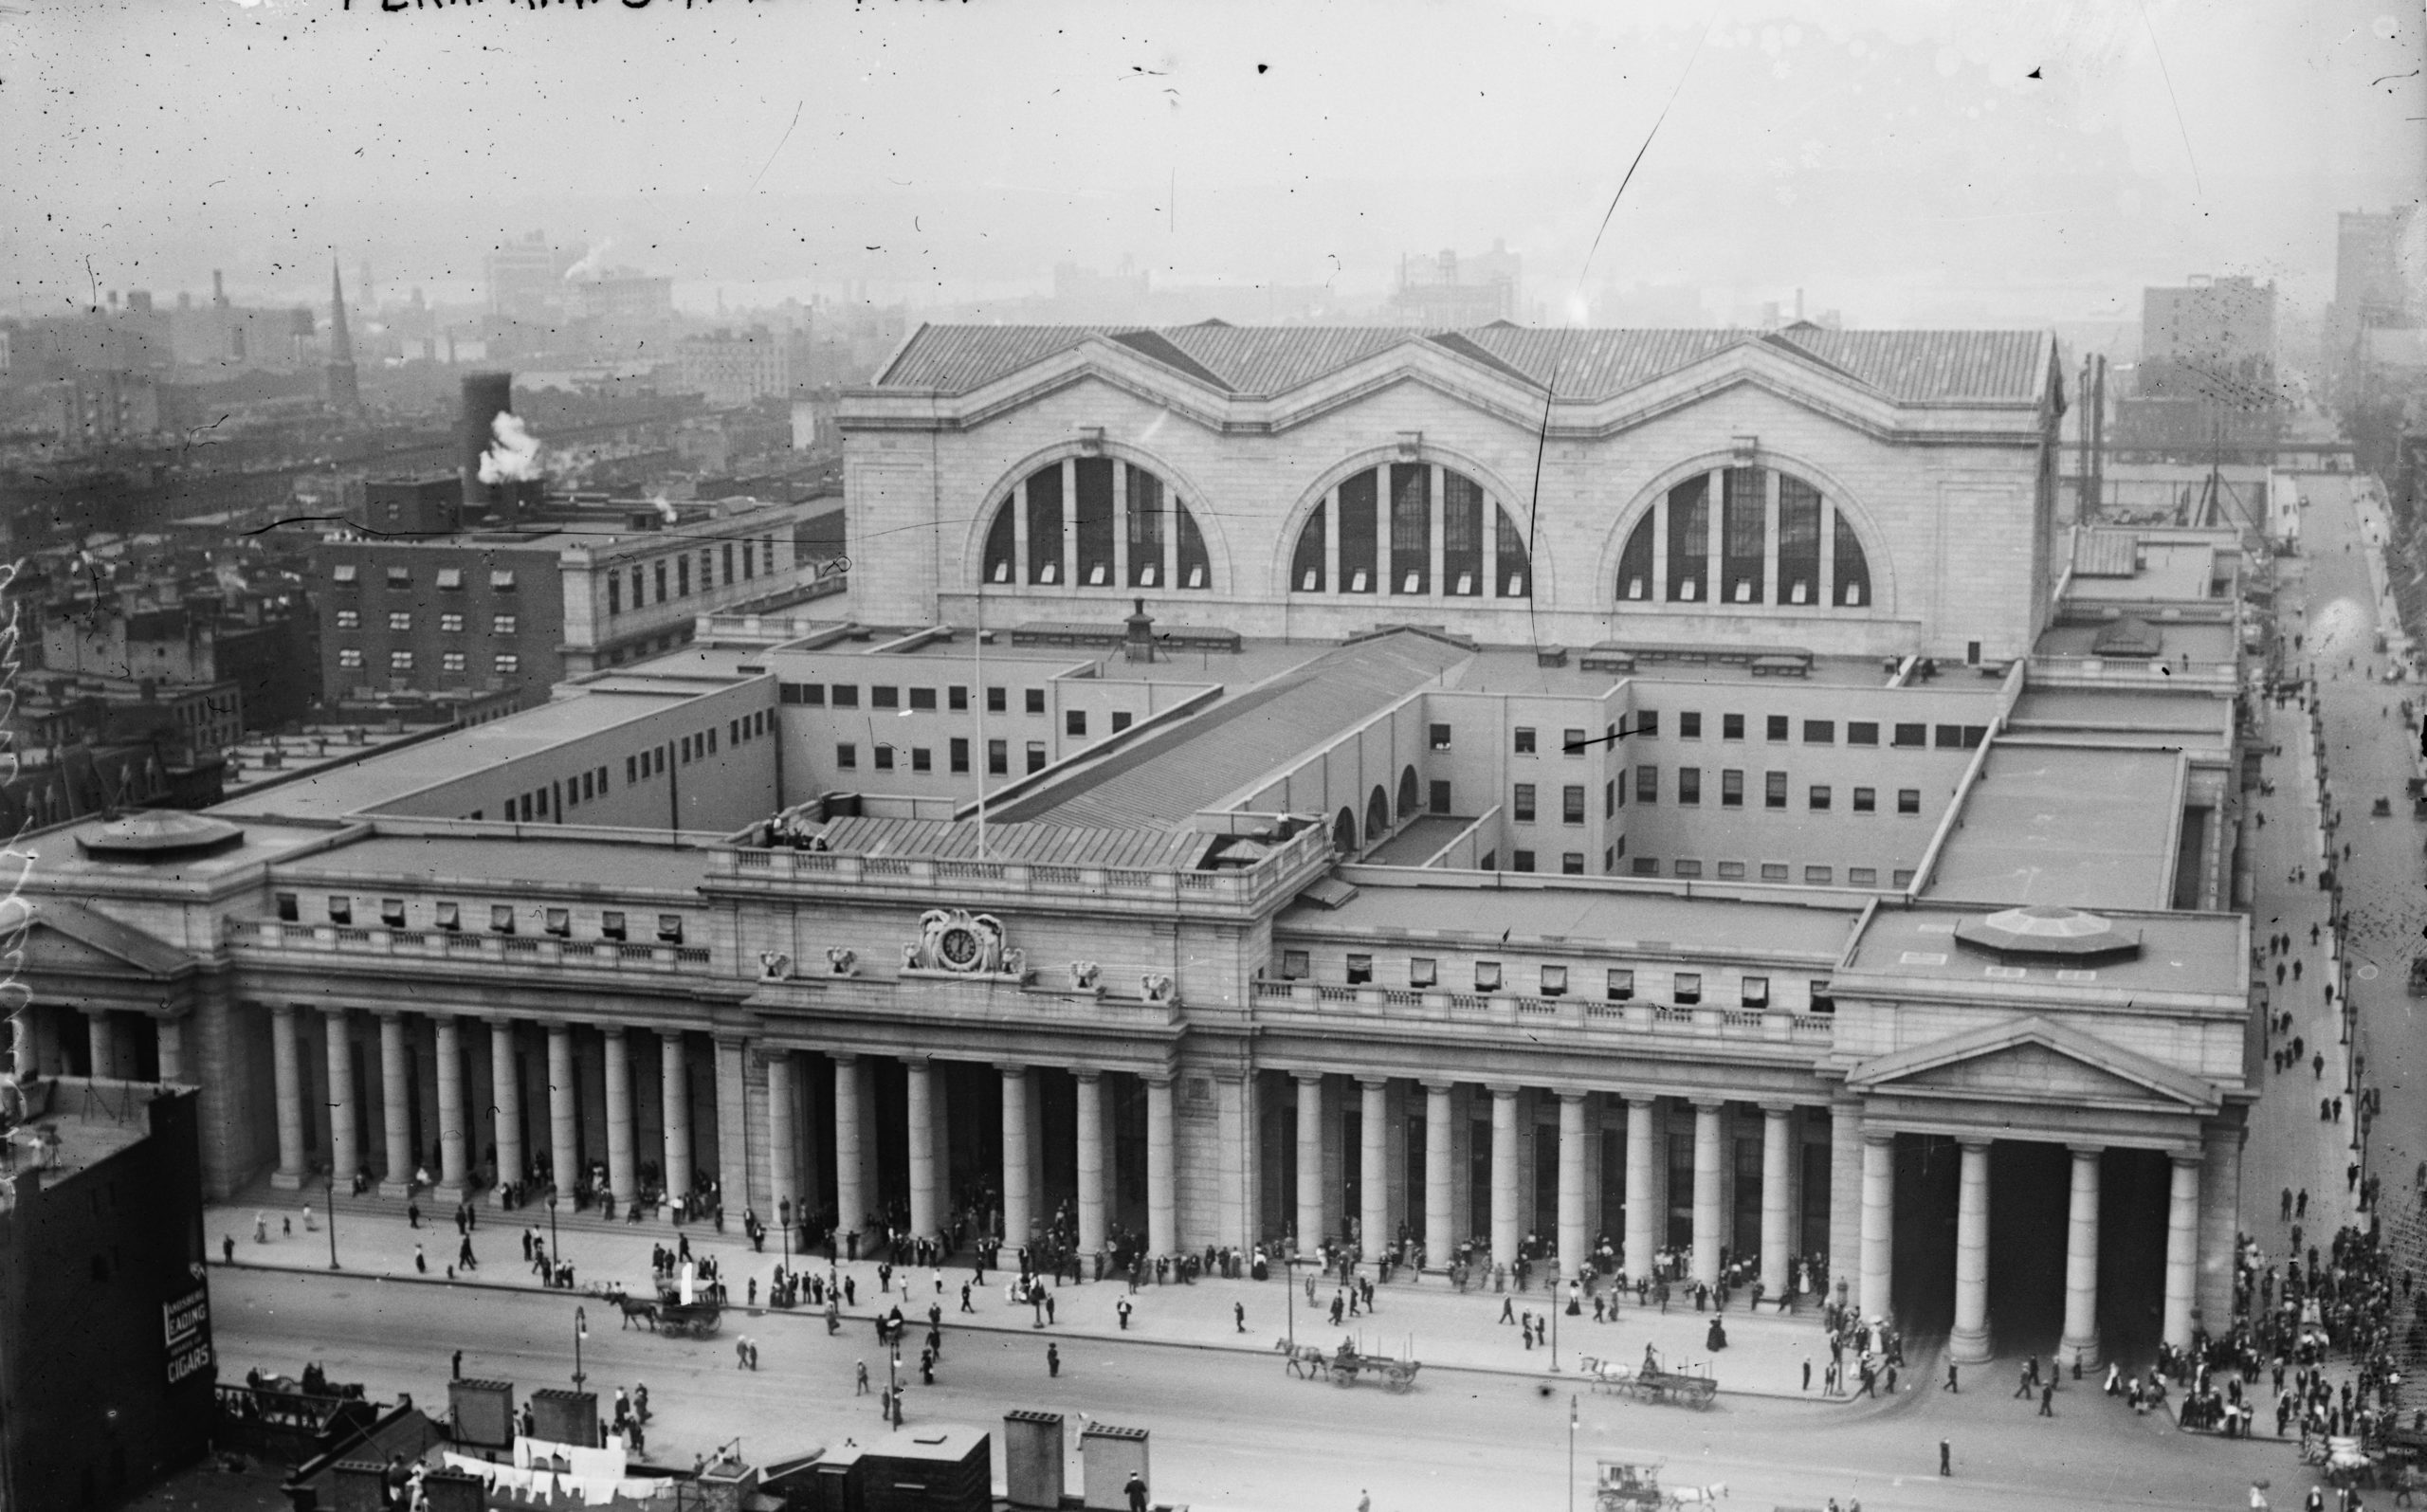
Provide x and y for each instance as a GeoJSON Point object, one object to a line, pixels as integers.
{"type": "Point", "coordinates": [1425, 1318]}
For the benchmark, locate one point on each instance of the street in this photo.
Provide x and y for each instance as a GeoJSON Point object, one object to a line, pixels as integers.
{"type": "Point", "coordinates": [1233, 1429]}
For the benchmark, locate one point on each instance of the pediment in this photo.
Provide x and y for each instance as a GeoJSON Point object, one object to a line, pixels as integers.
{"type": "Point", "coordinates": [71, 938]}
{"type": "Point", "coordinates": [2032, 1060]}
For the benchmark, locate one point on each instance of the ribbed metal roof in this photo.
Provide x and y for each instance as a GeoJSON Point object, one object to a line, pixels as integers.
{"type": "Point", "coordinates": [1911, 366]}
{"type": "Point", "coordinates": [1042, 844]}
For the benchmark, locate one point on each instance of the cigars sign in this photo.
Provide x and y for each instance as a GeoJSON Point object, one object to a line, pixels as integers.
{"type": "Point", "coordinates": [186, 1321]}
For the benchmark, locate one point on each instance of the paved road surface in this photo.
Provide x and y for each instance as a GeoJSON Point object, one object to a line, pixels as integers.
{"type": "Point", "coordinates": [1233, 1431]}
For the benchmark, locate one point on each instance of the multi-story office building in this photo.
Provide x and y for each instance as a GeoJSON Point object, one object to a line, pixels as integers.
{"type": "Point", "coordinates": [1747, 849]}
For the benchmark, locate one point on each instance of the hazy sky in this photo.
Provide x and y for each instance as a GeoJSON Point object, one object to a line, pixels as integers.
{"type": "Point", "coordinates": [1894, 157]}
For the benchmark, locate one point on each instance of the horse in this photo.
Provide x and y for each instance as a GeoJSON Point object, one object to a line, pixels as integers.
{"type": "Point", "coordinates": [1304, 1360]}
{"type": "Point", "coordinates": [1698, 1495]}
{"type": "Point", "coordinates": [633, 1307]}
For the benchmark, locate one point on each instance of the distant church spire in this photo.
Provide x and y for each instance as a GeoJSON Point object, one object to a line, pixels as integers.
{"type": "Point", "coordinates": [345, 395]}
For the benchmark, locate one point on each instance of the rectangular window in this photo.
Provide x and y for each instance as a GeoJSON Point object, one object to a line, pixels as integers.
{"type": "Point", "coordinates": [400, 578]}
{"type": "Point", "coordinates": [1731, 727]}
{"type": "Point", "coordinates": [400, 661]}
{"type": "Point", "coordinates": [391, 912]}
{"type": "Point", "coordinates": [959, 701]}
{"type": "Point", "coordinates": [1908, 800]}
{"type": "Point", "coordinates": [1121, 720]}
{"type": "Point", "coordinates": [343, 572]}
{"type": "Point", "coordinates": [1438, 796]}
{"type": "Point", "coordinates": [1950, 737]}
{"type": "Point", "coordinates": [1620, 984]}
{"type": "Point", "coordinates": [1862, 876]}
{"type": "Point", "coordinates": [447, 916]}
{"type": "Point", "coordinates": [503, 623]}
{"type": "Point", "coordinates": [658, 570]}
{"type": "Point", "coordinates": [340, 909]}
{"type": "Point", "coordinates": [883, 757]}
{"type": "Point", "coordinates": [1609, 799]}
{"type": "Point", "coordinates": [451, 661]}
{"type": "Point", "coordinates": [400, 620]}
{"type": "Point", "coordinates": [1036, 756]}
{"type": "Point", "coordinates": [560, 922]}
{"type": "Point", "coordinates": [1862, 732]}
{"type": "Point", "coordinates": [1571, 802]}
{"type": "Point", "coordinates": [502, 580]}
{"type": "Point", "coordinates": [1773, 790]}
{"type": "Point", "coordinates": [611, 924]}
{"type": "Point", "coordinates": [631, 771]}
{"type": "Point", "coordinates": [1074, 722]}
{"type": "Point", "coordinates": [1731, 788]}
{"type": "Point", "coordinates": [1486, 976]}
{"type": "Point", "coordinates": [1776, 727]}
{"type": "Point", "coordinates": [1524, 740]}
{"type": "Point", "coordinates": [1294, 965]}
{"type": "Point", "coordinates": [1523, 808]}
{"type": "Point", "coordinates": [1754, 992]}
{"type": "Point", "coordinates": [1816, 876]}
{"type": "Point", "coordinates": [811, 694]}
{"type": "Point", "coordinates": [669, 929]}
{"type": "Point", "coordinates": [1774, 871]}
{"type": "Point", "coordinates": [959, 753]}
{"type": "Point", "coordinates": [1571, 742]}
{"type": "Point", "coordinates": [1571, 863]}
{"type": "Point", "coordinates": [1820, 732]}
{"type": "Point", "coordinates": [922, 758]}
{"type": "Point", "coordinates": [349, 657]}
{"type": "Point", "coordinates": [506, 664]}
{"type": "Point", "coordinates": [1974, 735]}
{"type": "Point", "coordinates": [615, 594]}
{"type": "Point", "coordinates": [1440, 738]}
{"type": "Point", "coordinates": [1646, 866]}
{"type": "Point", "coordinates": [349, 619]}
{"type": "Point", "coordinates": [847, 757]}
{"type": "Point", "coordinates": [885, 695]}
{"type": "Point", "coordinates": [1688, 868]}
{"type": "Point", "coordinates": [997, 700]}
{"type": "Point", "coordinates": [1913, 734]}
{"type": "Point", "coordinates": [1553, 981]}
{"type": "Point", "coordinates": [1903, 876]}
{"type": "Point", "coordinates": [450, 624]}
{"type": "Point", "coordinates": [1690, 726]}
{"type": "Point", "coordinates": [500, 919]}
{"type": "Point", "coordinates": [1520, 861]}
{"type": "Point", "coordinates": [1647, 722]}
{"type": "Point", "coordinates": [922, 700]}
{"type": "Point", "coordinates": [999, 759]}
{"type": "Point", "coordinates": [683, 576]}
{"type": "Point", "coordinates": [1866, 800]}
{"type": "Point", "coordinates": [1686, 988]}
{"type": "Point", "coordinates": [1689, 784]}
{"type": "Point", "coordinates": [847, 695]}
{"type": "Point", "coordinates": [1360, 970]}
{"type": "Point", "coordinates": [1035, 699]}
{"type": "Point", "coordinates": [728, 564]}
{"type": "Point", "coordinates": [1647, 784]}
{"type": "Point", "coordinates": [1819, 796]}
{"type": "Point", "coordinates": [1731, 871]}
{"type": "Point", "coordinates": [1423, 971]}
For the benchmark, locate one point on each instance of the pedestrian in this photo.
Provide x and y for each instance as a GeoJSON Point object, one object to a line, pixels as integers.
{"type": "Point", "coordinates": [228, 1248]}
{"type": "Point", "coordinates": [1239, 1316]}
{"type": "Point", "coordinates": [464, 1259]}
{"type": "Point", "coordinates": [742, 1354]}
{"type": "Point", "coordinates": [1945, 1458]}
{"type": "Point", "coordinates": [1053, 1360]}
{"type": "Point", "coordinates": [1135, 1489]}
{"type": "Point", "coordinates": [1950, 1384]}
{"type": "Point", "coordinates": [413, 1215]}
{"type": "Point", "coordinates": [1122, 1307]}
{"type": "Point", "coordinates": [861, 1368]}
{"type": "Point", "coordinates": [459, 1365]}
{"type": "Point", "coordinates": [2048, 1399]}
{"type": "Point", "coordinates": [1807, 1373]}
{"type": "Point", "coordinates": [421, 1262]}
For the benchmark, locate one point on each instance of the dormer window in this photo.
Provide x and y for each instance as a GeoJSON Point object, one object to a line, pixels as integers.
{"type": "Point", "coordinates": [451, 917]}
{"type": "Point", "coordinates": [501, 919]}
{"type": "Point", "coordinates": [450, 577]}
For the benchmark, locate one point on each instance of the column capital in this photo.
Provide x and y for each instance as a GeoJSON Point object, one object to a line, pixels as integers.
{"type": "Point", "coordinates": [917, 1061]}
{"type": "Point", "coordinates": [1374, 1084]}
{"type": "Point", "coordinates": [329, 1010]}
{"type": "Point", "coordinates": [1503, 1091]}
{"type": "Point", "coordinates": [1307, 1078]}
{"type": "Point", "coordinates": [1878, 1135]}
{"type": "Point", "coordinates": [2193, 1159]}
{"type": "Point", "coordinates": [1969, 1143]}
{"type": "Point", "coordinates": [1778, 1110]}
{"type": "Point", "coordinates": [276, 1009]}
{"type": "Point", "coordinates": [1569, 1094]}
{"type": "Point", "coordinates": [1087, 1073]}
{"type": "Point", "coordinates": [2090, 1152]}
{"type": "Point", "coordinates": [1011, 1069]}
{"type": "Point", "coordinates": [613, 1031]}
{"type": "Point", "coordinates": [1438, 1088]}
{"type": "Point", "coordinates": [1639, 1099]}
{"type": "Point", "coordinates": [1708, 1105]}
{"type": "Point", "coordinates": [844, 1060]}
{"type": "Point", "coordinates": [90, 1010]}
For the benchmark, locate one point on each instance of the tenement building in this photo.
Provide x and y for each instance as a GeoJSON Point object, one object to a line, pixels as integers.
{"type": "Point", "coordinates": [1498, 788]}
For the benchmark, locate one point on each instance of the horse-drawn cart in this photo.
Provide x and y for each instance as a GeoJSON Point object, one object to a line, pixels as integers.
{"type": "Point", "coordinates": [1399, 1375]}
{"type": "Point", "coordinates": [697, 1319]}
{"type": "Point", "coordinates": [1652, 1382]}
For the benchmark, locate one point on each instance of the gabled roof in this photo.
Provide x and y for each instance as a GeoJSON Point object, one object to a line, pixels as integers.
{"type": "Point", "coordinates": [1917, 367]}
{"type": "Point", "coordinates": [1048, 845]}
{"type": "Point", "coordinates": [1990, 1041]}
{"type": "Point", "coordinates": [99, 931]}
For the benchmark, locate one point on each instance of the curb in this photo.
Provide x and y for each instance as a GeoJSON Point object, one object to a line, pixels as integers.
{"type": "Point", "coordinates": [1545, 1377]}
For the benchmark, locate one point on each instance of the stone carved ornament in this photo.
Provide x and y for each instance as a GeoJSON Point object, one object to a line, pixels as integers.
{"type": "Point", "coordinates": [1156, 987]}
{"type": "Point", "coordinates": [840, 960]}
{"type": "Point", "coordinates": [1085, 974]}
{"type": "Point", "coordinates": [955, 939]}
{"type": "Point", "coordinates": [774, 966]}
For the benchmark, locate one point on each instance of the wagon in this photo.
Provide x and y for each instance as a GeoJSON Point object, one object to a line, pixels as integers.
{"type": "Point", "coordinates": [698, 1319]}
{"type": "Point", "coordinates": [1623, 1486]}
{"type": "Point", "coordinates": [1399, 1375]}
{"type": "Point", "coordinates": [1652, 1381]}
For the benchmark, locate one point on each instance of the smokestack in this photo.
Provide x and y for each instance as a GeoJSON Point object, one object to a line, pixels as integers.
{"type": "Point", "coordinates": [1137, 644]}
{"type": "Point", "coordinates": [218, 288]}
{"type": "Point", "coordinates": [486, 396]}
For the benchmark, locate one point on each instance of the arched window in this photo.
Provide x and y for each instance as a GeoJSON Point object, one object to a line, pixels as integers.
{"type": "Point", "coordinates": [1377, 813]}
{"type": "Point", "coordinates": [1098, 523]}
{"type": "Point", "coordinates": [1343, 833]}
{"type": "Point", "coordinates": [1409, 530]}
{"type": "Point", "coordinates": [1713, 539]}
{"type": "Point", "coordinates": [1407, 794]}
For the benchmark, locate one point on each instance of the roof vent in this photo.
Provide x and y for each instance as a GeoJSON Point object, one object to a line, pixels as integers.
{"type": "Point", "coordinates": [158, 836]}
{"type": "Point", "coordinates": [2046, 931]}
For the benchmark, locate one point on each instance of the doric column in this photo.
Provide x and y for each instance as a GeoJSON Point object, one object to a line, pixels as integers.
{"type": "Point", "coordinates": [623, 1159]}
{"type": "Point", "coordinates": [345, 1143]}
{"type": "Point", "coordinates": [1440, 1227]}
{"type": "Point", "coordinates": [850, 1204]}
{"type": "Point", "coordinates": [1373, 1167]}
{"type": "Point", "coordinates": [2181, 1248]}
{"type": "Point", "coordinates": [2081, 1260]}
{"type": "Point", "coordinates": [396, 1106]}
{"type": "Point", "coordinates": [1969, 1342]}
{"type": "Point", "coordinates": [783, 1137]}
{"type": "Point", "coordinates": [1573, 1242]}
{"type": "Point", "coordinates": [1504, 1175]}
{"type": "Point", "coordinates": [1090, 1158]}
{"type": "Point", "coordinates": [101, 1041]}
{"type": "Point", "coordinates": [1019, 1171]}
{"type": "Point", "coordinates": [1777, 1228]}
{"type": "Point", "coordinates": [287, 1068]}
{"type": "Point", "coordinates": [1642, 1235]}
{"type": "Point", "coordinates": [1311, 1160]}
{"type": "Point", "coordinates": [674, 1099]}
{"type": "Point", "coordinates": [924, 1217]}
{"type": "Point", "coordinates": [2219, 1219]}
{"type": "Point", "coordinates": [1708, 1212]}
{"type": "Point", "coordinates": [505, 1091]}
{"type": "Point", "coordinates": [1878, 1220]}
{"type": "Point", "coordinates": [168, 1035]}
{"type": "Point", "coordinates": [564, 1158]}
{"type": "Point", "coordinates": [1162, 1169]}
{"type": "Point", "coordinates": [454, 1175]}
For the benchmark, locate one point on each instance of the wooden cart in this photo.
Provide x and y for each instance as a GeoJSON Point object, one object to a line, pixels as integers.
{"type": "Point", "coordinates": [1399, 1375]}
{"type": "Point", "coordinates": [1654, 1381]}
{"type": "Point", "coordinates": [698, 1319]}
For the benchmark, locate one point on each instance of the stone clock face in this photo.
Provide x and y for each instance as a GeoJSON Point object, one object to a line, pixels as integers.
{"type": "Point", "coordinates": [958, 947]}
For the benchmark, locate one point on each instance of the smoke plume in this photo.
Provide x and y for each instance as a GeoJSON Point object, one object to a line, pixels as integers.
{"type": "Point", "coordinates": [515, 455]}
{"type": "Point", "coordinates": [590, 263]}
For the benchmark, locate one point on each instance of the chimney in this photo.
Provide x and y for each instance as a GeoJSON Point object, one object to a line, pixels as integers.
{"type": "Point", "coordinates": [1138, 645]}
{"type": "Point", "coordinates": [218, 290]}
{"type": "Point", "coordinates": [486, 396]}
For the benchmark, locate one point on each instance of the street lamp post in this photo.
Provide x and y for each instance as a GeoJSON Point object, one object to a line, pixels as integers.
{"type": "Point", "coordinates": [1571, 1453]}
{"type": "Point", "coordinates": [580, 1332]}
{"type": "Point", "coordinates": [555, 1246]}
{"type": "Point", "coordinates": [333, 1219]}
{"type": "Point", "coordinates": [785, 1213]}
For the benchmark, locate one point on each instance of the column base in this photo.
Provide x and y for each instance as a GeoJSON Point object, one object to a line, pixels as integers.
{"type": "Point", "coordinates": [2085, 1350]}
{"type": "Point", "coordinates": [396, 1189]}
{"type": "Point", "coordinates": [446, 1192]}
{"type": "Point", "coordinates": [286, 1180]}
{"type": "Point", "coordinates": [1966, 1348]}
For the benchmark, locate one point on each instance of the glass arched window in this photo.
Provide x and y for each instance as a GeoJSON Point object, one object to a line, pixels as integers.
{"type": "Point", "coordinates": [1099, 523]}
{"type": "Point", "coordinates": [1410, 530]}
{"type": "Point", "coordinates": [1745, 536]}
